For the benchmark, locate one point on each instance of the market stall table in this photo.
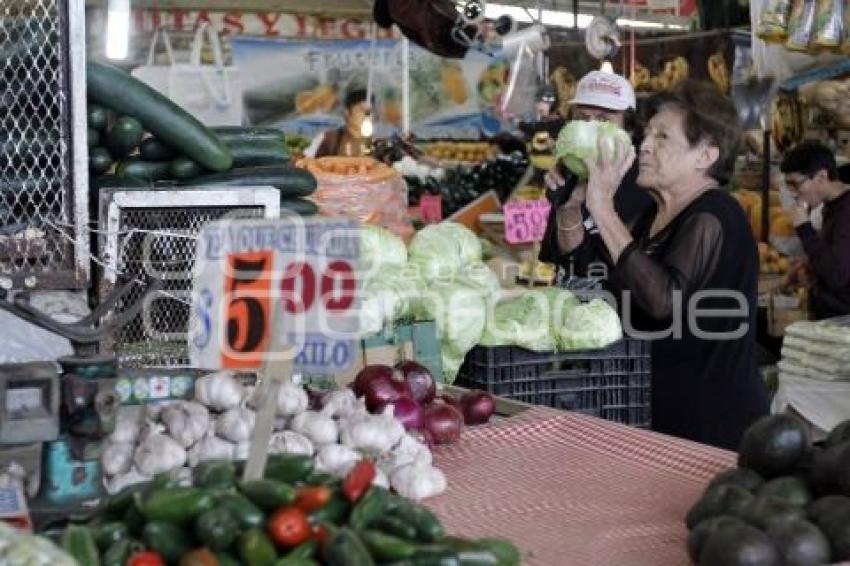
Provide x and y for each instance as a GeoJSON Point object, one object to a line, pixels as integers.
{"type": "Point", "coordinates": [571, 489]}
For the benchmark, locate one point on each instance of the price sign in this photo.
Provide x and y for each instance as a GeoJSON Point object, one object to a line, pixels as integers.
{"type": "Point", "coordinates": [431, 209]}
{"type": "Point", "coordinates": [248, 271]}
{"type": "Point", "coordinates": [525, 221]}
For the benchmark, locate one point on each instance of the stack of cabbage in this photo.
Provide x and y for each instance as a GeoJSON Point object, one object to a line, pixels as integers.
{"type": "Point", "coordinates": [444, 280]}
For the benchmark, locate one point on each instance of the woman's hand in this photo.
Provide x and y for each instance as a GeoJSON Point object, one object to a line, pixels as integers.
{"type": "Point", "coordinates": [605, 173]}
{"type": "Point", "coordinates": [554, 181]}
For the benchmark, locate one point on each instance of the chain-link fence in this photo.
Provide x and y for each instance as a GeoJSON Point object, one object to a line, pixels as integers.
{"type": "Point", "coordinates": [37, 111]}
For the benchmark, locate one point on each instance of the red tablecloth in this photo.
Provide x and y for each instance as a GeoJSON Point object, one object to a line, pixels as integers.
{"type": "Point", "coordinates": [569, 489]}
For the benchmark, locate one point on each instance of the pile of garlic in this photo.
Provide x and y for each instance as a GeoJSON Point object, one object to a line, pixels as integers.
{"type": "Point", "coordinates": [219, 424]}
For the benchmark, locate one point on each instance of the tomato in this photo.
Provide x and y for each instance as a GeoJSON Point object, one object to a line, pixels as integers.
{"type": "Point", "coordinates": [289, 526]}
{"type": "Point", "coordinates": [199, 557]}
{"type": "Point", "coordinates": [312, 497]}
{"type": "Point", "coordinates": [146, 559]}
{"type": "Point", "coordinates": [359, 479]}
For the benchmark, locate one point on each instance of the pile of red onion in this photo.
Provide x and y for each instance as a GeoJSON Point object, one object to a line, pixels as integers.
{"type": "Point", "coordinates": [410, 388]}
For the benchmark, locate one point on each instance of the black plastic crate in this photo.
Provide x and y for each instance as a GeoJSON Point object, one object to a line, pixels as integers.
{"type": "Point", "coordinates": [614, 383]}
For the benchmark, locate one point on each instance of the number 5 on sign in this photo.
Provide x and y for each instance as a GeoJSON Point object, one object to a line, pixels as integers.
{"type": "Point", "coordinates": [248, 286]}
{"type": "Point", "coordinates": [525, 220]}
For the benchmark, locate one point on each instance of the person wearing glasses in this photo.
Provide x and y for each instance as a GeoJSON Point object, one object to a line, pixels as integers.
{"type": "Point", "coordinates": [812, 177]}
{"type": "Point", "coordinates": [600, 96]}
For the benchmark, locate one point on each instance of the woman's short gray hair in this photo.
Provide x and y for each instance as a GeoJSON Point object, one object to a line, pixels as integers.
{"type": "Point", "coordinates": [709, 117]}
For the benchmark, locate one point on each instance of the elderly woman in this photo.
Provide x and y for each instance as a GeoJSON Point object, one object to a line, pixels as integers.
{"type": "Point", "coordinates": [686, 270]}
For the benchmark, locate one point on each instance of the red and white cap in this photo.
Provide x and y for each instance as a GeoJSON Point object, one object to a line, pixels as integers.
{"type": "Point", "coordinates": [605, 90]}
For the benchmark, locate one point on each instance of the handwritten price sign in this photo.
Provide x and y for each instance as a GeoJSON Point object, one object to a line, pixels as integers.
{"type": "Point", "coordinates": [525, 221]}
{"type": "Point", "coordinates": [305, 269]}
{"type": "Point", "coordinates": [431, 209]}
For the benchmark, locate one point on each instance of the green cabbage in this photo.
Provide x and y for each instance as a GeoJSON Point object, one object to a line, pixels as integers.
{"type": "Point", "coordinates": [480, 276]}
{"type": "Point", "coordinates": [579, 140]}
{"type": "Point", "coordinates": [531, 321]}
{"type": "Point", "coordinates": [590, 326]}
{"type": "Point", "coordinates": [380, 247]}
{"type": "Point", "coordinates": [441, 251]}
{"type": "Point", "coordinates": [391, 294]}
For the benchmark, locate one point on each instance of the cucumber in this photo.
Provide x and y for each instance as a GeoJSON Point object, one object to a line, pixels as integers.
{"type": "Point", "coordinates": [144, 170]}
{"type": "Point", "coordinates": [152, 149]}
{"type": "Point", "coordinates": [291, 181]}
{"type": "Point", "coordinates": [168, 122]}
{"type": "Point", "coordinates": [236, 134]}
{"type": "Point", "coordinates": [177, 505]}
{"type": "Point", "coordinates": [300, 206]}
{"type": "Point", "coordinates": [258, 152]}
{"type": "Point", "coordinates": [100, 160]}
{"type": "Point", "coordinates": [98, 117]}
{"type": "Point", "coordinates": [184, 169]}
{"type": "Point", "coordinates": [124, 136]}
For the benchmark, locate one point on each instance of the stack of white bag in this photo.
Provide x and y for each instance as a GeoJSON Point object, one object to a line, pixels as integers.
{"type": "Point", "coordinates": [814, 372]}
{"type": "Point", "coordinates": [219, 424]}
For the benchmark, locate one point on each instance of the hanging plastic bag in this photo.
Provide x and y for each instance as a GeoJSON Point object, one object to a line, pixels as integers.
{"type": "Point", "coordinates": [773, 24]}
{"type": "Point", "coordinates": [829, 21]}
{"type": "Point", "coordinates": [801, 25]}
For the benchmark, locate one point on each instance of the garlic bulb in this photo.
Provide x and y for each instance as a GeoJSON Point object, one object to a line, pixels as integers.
{"type": "Point", "coordinates": [381, 479]}
{"type": "Point", "coordinates": [409, 450]}
{"type": "Point", "coordinates": [418, 481]}
{"type": "Point", "coordinates": [319, 428]}
{"type": "Point", "coordinates": [372, 434]}
{"type": "Point", "coordinates": [289, 442]}
{"type": "Point", "coordinates": [117, 458]}
{"type": "Point", "coordinates": [159, 453]}
{"type": "Point", "coordinates": [340, 404]}
{"type": "Point", "coordinates": [211, 447]}
{"type": "Point", "coordinates": [117, 483]}
{"type": "Point", "coordinates": [187, 422]}
{"type": "Point", "coordinates": [291, 400]}
{"type": "Point", "coordinates": [154, 410]}
{"type": "Point", "coordinates": [219, 391]}
{"type": "Point", "coordinates": [236, 425]}
{"type": "Point", "coordinates": [127, 424]}
{"type": "Point", "coordinates": [336, 459]}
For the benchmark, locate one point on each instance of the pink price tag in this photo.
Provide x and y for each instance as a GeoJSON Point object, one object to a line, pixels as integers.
{"type": "Point", "coordinates": [431, 209]}
{"type": "Point", "coordinates": [525, 220]}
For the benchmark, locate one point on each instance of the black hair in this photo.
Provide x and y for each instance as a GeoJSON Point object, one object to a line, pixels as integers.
{"type": "Point", "coordinates": [808, 158]}
{"type": "Point", "coordinates": [709, 117]}
{"type": "Point", "coordinates": [354, 98]}
{"type": "Point", "coordinates": [509, 143]}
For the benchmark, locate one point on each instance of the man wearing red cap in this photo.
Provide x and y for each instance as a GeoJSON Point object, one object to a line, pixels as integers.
{"type": "Point", "coordinates": [604, 97]}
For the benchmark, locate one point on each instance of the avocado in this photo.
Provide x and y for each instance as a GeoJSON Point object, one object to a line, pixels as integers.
{"type": "Point", "coordinates": [702, 532]}
{"type": "Point", "coordinates": [773, 446]}
{"type": "Point", "coordinates": [842, 470]}
{"type": "Point", "coordinates": [824, 474]}
{"type": "Point", "coordinates": [739, 545]}
{"type": "Point", "coordinates": [829, 509]}
{"type": "Point", "coordinates": [790, 488]}
{"type": "Point", "coordinates": [726, 499]}
{"type": "Point", "coordinates": [838, 435]}
{"type": "Point", "coordinates": [766, 510]}
{"type": "Point", "coordinates": [743, 477]}
{"type": "Point", "coordinates": [800, 543]}
{"type": "Point", "coordinates": [839, 539]}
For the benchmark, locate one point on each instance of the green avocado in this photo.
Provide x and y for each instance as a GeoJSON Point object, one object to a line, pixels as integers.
{"type": "Point", "coordinates": [739, 545]}
{"type": "Point", "coordinates": [726, 499]}
{"type": "Point", "coordinates": [742, 477]}
{"type": "Point", "coordinates": [800, 543]}
{"type": "Point", "coordinates": [773, 446]}
{"type": "Point", "coordinates": [789, 488]}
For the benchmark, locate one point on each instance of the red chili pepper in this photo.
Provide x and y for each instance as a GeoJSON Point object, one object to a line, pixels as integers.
{"type": "Point", "coordinates": [359, 479]}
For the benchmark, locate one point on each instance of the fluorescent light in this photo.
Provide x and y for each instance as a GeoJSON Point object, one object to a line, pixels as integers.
{"type": "Point", "coordinates": [118, 29]}
{"type": "Point", "coordinates": [367, 128]}
{"type": "Point", "coordinates": [559, 18]}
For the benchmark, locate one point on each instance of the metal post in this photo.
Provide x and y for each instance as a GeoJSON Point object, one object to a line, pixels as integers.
{"type": "Point", "coordinates": [405, 86]}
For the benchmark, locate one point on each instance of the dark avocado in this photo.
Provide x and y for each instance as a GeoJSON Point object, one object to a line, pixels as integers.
{"type": "Point", "coordinates": [773, 446]}
{"type": "Point", "coordinates": [702, 532]}
{"type": "Point", "coordinates": [838, 435]}
{"type": "Point", "coordinates": [800, 543]}
{"type": "Point", "coordinates": [739, 545]}
{"type": "Point", "coordinates": [789, 488]}
{"type": "Point", "coordinates": [726, 499]}
{"type": "Point", "coordinates": [766, 510]}
{"type": "Point", "coordinates": [743, 477]}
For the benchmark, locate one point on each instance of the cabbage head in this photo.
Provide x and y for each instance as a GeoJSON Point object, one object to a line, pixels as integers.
{"type": "Point", "coordinates": [440, 251]}
{"type": "Point", "coordinates": [380, 247]}
{"type": "Point", "coordinates": [579, 140]}
{"type": "Point", "coordinates": [391, 294]}
{"type": "Point", "coordinates": [523, 321]}
{"type": "Point", "coordinates": [480, 276]}
{"type": "Point", "coordinates": [590, 326]}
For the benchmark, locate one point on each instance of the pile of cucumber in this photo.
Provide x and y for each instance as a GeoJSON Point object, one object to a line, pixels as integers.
{"type": "Point", "coordinates": [223, 521]}
{"type": "Point", "coordinates": [138, 137]}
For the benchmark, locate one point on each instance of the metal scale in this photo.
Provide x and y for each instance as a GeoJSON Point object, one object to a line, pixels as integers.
{"type": "Point", "coordinates": [66, 413]}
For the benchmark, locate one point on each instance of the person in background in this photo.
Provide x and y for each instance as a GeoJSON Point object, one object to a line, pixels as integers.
{"type": "Point", "coordinates": [686, 270]}
{"type": "Point", "coordinates": [812, 176]}
{"type": "Point", "coordinates": [348, 140]}
{"type": "Point", "coordinates": [603, 97]}
{"type": "Point", "coordinates": [546, 119]}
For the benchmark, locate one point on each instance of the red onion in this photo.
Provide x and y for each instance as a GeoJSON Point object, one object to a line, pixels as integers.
{"type": "Point", "coordinates": [443, 422]}
{"type": "Point", "coordinates": [446, 399]}
{"type": "Point", "coordinates": [408, 412]}
{"type": "Point", "coordinates": [380, 385]}
{"type": "Point", "coordinates": [478, 407]}
{"type": "Point", "coordinates": [423, 436]}
{"type": "Point", "coordinates": [419, 379]}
